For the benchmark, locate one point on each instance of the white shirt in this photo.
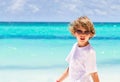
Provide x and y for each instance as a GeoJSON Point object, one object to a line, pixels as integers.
{"type": "Point", "coordinates": [82, 62]}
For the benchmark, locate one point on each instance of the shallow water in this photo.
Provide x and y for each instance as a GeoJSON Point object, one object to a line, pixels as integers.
{"type": "Point", "coordinates": [34, 48]}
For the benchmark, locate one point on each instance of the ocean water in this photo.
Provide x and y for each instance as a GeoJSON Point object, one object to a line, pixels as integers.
{"type": "Point", "coordinates": [45, 45]}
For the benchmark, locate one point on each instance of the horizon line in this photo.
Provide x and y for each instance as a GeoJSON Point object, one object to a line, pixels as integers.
{"type": "Point", "coordinates": [55, 21]}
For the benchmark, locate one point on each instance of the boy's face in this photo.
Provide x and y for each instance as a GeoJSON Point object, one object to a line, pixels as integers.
{"type": "Point", "coordinates": [82, 36]}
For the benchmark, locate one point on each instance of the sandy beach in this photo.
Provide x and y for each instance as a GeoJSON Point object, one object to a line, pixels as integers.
{"type": "Point", "coordinates": [107, 74]}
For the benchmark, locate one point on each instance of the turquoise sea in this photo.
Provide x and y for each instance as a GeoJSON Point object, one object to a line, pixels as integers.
{"type": "Point", "coordinates": [45, 45]}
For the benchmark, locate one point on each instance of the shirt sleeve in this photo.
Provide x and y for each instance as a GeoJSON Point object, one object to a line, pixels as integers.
{"type": "Point", "coordinates": [91, 63]}
{"type": "Point", "coordinates": [68, 58]}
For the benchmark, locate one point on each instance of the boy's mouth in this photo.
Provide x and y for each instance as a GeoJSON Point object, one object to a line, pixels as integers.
{"type": "Point", "coordinates": [82, 38]}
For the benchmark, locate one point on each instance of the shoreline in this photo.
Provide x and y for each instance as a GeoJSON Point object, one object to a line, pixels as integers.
{"type": "Point", "coordinates": [106, 74]}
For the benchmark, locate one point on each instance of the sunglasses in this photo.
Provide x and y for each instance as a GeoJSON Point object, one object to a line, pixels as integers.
{"type": "Point", "coordinates": [82, 32]}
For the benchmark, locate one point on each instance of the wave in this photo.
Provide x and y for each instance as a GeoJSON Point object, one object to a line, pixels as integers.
{"type": "Point", "coordinates": [113, 62]}
{"type": "Point", "coordinates": [30, 67]}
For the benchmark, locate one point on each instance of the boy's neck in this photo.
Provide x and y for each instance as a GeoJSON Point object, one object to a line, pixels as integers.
{"type": "Point", "coordinates": [83, 45]}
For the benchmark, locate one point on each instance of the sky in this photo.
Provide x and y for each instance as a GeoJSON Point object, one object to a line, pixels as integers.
{"type": "Point", "coordinates": [59, 10]}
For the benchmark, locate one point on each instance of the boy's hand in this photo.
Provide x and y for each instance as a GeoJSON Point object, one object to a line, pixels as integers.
{"type": "Point", "coordinates": [57, 81]}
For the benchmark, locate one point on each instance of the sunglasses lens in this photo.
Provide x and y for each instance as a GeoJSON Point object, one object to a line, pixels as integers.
{"type": "Point", "coordinates": [82, 32]}
{"type": "Point", "coordinates": [79, 31]}
{"type": "Point", "coordinates": [86, 32]}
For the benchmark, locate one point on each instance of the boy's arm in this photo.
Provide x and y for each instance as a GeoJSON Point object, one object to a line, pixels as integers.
{"type": "Point", "coordinates": [63, 76]}
{"type": "Point", "coordinates": [95, 77]}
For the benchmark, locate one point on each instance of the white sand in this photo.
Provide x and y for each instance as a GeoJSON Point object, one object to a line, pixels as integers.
{"type": "Point", "coordinates": [107, 74]}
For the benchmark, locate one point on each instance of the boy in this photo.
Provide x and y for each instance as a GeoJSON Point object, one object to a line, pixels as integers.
{"type": "Point", "coordinates": [82, 58]}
